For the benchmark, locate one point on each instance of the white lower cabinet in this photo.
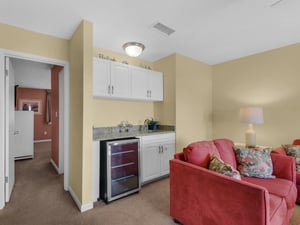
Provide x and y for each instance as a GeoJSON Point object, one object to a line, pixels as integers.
{"type": "Point", "coordinates": [156, 152]}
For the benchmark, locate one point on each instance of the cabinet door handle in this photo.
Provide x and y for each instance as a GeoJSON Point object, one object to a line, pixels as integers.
{"type": "Point", "coordinates": [112, 89]}
{"type": "Point", "coordinates": [150, 93]}
{"type": "Point", "coordinates": [159, 149]}
{"type": "Point", "coordinates": [108, 90]}
{"type": "Point", "coordinates": [147, 93]}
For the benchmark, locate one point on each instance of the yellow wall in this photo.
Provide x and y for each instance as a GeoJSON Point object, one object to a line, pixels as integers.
{"type": "Point", "coordinates": [111, 112]}
{"type": "Point", "coordinates": [20, 40]}
{"type": "Point", "coordinates": [193, 101]}
{"type": "Point", "coordinates": [87, 151]}
{"type": "Point", "coordinates": [76, 110]}
{"type": "Point", "coordinates": [165, 111]}
{"type": "Point", "coordinates": [81, 78]}
{"type": "Point", "coordinates": [270, 80]}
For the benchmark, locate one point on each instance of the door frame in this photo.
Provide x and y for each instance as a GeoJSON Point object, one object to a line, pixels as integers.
{"type": "Point", "coordinates": [62, 111]}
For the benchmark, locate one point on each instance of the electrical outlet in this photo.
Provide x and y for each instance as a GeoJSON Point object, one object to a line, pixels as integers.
{"type": "Point", "coordinates": [45, 132]}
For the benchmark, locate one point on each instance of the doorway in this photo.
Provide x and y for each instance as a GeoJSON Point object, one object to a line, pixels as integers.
{"type": "Point", "coordinates": [37, 93]}
{"type": "Point", "coordinates": [63, 112]}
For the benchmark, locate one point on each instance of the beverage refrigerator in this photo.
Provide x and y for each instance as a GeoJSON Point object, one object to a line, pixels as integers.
{"type": "Point", "coordinates": [119, 168]}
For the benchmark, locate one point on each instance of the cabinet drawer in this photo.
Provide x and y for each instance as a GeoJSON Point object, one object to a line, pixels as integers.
{"type": "Point", "coordinates": [158, 138]}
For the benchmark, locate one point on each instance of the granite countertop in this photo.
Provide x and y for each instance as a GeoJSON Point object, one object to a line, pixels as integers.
{"type": "Point", "coordinates": [108, 133]}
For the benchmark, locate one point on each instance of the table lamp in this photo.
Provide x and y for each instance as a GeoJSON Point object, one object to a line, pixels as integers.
{"type": "Point", "coordinates": [251, 115]}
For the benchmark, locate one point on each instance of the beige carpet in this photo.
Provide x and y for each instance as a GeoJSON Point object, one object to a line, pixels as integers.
{"type": "Point", "coordinates": [39, 199]}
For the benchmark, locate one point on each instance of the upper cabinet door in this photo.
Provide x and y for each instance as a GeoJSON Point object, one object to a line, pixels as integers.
{"type": "Point", "coordinates": [120, 80]}
{"type": "Point", "coordinates": [140, 84]}
{"type": "Point", "coordinates": [101, 78]}
{"type": "Point", "coordinates": [147, 84]}
{"type": "Point", "coordinates": [157, 86]}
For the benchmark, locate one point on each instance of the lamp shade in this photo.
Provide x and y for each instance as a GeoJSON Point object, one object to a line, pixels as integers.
{"type": "Point", "coordinates": [133, 49]}
{"type": "Point", "coordinates": [253, 115]}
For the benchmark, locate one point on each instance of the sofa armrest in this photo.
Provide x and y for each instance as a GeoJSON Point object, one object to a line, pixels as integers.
{"type": "Point", "coordinates": [200, 196]}
{"type": "Point", "coordinates": [284, 166]}
{"type": "Point", "coordinates": [180, 156]}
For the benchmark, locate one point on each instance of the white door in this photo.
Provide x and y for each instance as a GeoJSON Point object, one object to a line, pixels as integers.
{"type": "Point", "coordinates": [101, 78]}
{"type": "Point", "coordinates": [150, 162]}
{"type": "Point", "coordinates": [23, 145]}
{"type": "Point", "coordinates": [156, 86]}
{"type": "Point", "coordinates": [120, 80]}
{"type": "Point", "coordinates": [168, 151]}
{"type": "Point", "coordinates": [2, 132]}
{"type": "Point", "coordinates": [140, 84]}
{"type": "Point", "coordinates": [9, 125]}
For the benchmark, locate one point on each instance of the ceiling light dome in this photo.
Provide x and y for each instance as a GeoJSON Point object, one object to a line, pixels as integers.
{"type": "Point", "coordinates": [133, 49]}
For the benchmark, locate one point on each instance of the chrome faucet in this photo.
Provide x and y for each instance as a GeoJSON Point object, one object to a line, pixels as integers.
{"type": "Point", "coordinates": [124, 126]}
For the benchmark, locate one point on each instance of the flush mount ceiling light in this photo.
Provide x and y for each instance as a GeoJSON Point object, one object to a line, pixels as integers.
{"type": "Point", "coordinates": [133, 49]}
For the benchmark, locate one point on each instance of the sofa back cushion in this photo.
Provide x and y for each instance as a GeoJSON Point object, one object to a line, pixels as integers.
{"type": "Point", "coordinates": [225, 149]}
{"type": "Point", "coordinates": [199, 153]}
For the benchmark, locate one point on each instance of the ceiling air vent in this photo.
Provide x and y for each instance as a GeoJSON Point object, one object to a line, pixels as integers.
{"type": "Point", "coordinates": [276, 2]}
{"type": "Point", "coordinates": [163, 28]}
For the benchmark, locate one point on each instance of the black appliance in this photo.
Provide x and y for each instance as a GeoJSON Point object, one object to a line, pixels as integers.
{"type": "Point", "coordinates": [119, 168]}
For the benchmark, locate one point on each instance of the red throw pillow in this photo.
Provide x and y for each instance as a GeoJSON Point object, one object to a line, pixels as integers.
{"type": "Point", "coordinates": [199, 153]}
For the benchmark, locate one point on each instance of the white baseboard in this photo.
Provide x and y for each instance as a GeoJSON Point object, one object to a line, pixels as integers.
{"type": "Point", "coordinates": [81, 207]}
{"type": "Point", "coordinates": [55, 167]}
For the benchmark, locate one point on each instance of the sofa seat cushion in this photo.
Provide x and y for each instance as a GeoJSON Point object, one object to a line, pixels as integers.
{"type": "Point", "coordinates": [225, 148]}
{"type": "Point", "coordinates": [280, 187]}
{"type": "Point", "coordinates": [278, 210]}
{"type": "Point", "coordinates": [199, 153]}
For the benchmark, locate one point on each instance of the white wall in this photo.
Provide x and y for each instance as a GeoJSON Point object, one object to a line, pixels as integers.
{"type": "Point", "coordinates": [31, 74]}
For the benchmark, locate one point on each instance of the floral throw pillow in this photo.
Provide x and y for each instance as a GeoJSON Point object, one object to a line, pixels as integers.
{"type": "Point", "coordinates": [219, 166]}
{"type": "Point", "coordinates": [254, 162]}
{"type": "Point", "coordinates": [294, 151]}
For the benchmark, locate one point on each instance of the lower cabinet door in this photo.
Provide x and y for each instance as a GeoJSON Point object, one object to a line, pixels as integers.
{"type": "Point", "coordinates": [150, 163]}
{"type": "Point", "coordinates": [168, 150]}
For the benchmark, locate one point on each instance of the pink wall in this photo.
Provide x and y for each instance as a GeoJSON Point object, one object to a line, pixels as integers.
{"type": "Point", "coordinates": [42, 130]}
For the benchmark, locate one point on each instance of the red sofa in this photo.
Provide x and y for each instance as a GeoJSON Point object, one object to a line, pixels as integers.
{"type": "Point", "coordinates": [199, 196]}
{"type": "Point", "coordinates": [281, 151]}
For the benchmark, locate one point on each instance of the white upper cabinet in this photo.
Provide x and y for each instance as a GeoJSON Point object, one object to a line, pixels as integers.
{"type": "Point", "coordinates": [147, 84]}
{"type": "Point", "coordinates": [101, 78]}
{"type": "Point", "coordinates": [121, 81]}
{"type": "Point", "coordinates": [140, 84]}
{"type": "Point", "coordinates": [156, 85]}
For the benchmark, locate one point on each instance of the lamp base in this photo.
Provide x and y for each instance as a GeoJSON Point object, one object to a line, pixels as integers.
{"type": "Point", "coordinates": [250, 137]}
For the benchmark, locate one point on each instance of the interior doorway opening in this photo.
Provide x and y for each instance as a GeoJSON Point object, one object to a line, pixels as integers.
{"type": "Point", "coordinates": [37, 92]}
{"type": "Point", "coordinates": [62, 113]}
